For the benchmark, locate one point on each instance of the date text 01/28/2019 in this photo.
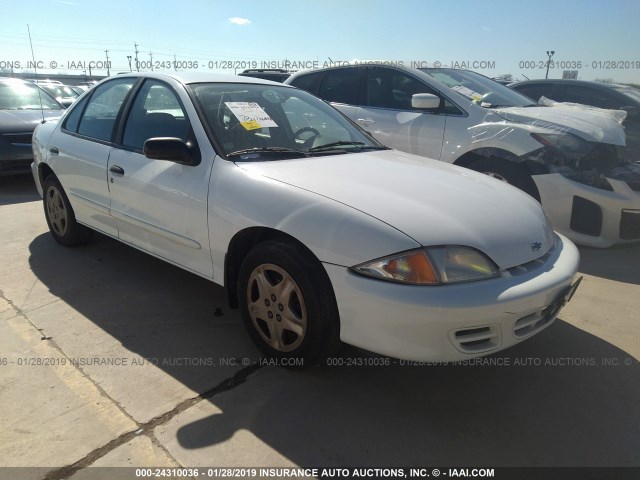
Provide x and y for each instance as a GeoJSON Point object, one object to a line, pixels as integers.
{"type": "Point", "coordinates": [579, 64]}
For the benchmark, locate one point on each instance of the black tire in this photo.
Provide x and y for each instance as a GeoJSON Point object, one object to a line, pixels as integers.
{"type": "Point", "coordinates": [60, 217]}
{"type": "Point", "coordinates": [307, 305]}
{"type": "Point", "coordinates": [510, 172]}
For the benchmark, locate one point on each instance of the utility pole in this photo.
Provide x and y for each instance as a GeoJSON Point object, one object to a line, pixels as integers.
{"type": "Point", "coordinates": [151, 57]}
{"type": "Point", "coordinates": [175, 62]}
{"type": "Point", "coordinates": [550, 54]}
{"type": "Point", "coordinates": [137, 64]}
{"type": "Point", "coordinates": [106, 52]}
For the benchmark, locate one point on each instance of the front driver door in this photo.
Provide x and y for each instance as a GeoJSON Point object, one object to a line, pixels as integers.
{"type": "Point", "coordinates": [388, 115]}
{"type": "Point", "coordinates": [160, 206]}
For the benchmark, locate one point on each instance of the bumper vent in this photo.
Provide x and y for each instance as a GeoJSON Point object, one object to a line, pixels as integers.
{"type": "Point", "coordinates": [535, 321]}
{"type": "Point", "coordinates": [630, 225]}
{"type": "Point", "coordinates": [586, 217]}
{"type": "Point", "coordinates": [477, 339]}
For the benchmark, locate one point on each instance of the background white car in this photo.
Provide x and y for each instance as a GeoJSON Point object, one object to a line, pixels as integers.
{"type": "Point", "coordinates": [318, 232]}
{"type": "Point", "coordinates": [567, 158]}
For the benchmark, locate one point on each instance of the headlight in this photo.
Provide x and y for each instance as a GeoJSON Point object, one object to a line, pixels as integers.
{"type": "Point", "coordinates": [563, 141]}
{"type": "Point", "coordinates": [578, 160]}
{"type": "Point", "coordinates": [431, 266]}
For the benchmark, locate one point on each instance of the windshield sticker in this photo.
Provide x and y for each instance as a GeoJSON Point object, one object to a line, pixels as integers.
{"type": "Point", "coordinates": [467, 92]}
{"type": "Point", "coordinates": [251, 115]}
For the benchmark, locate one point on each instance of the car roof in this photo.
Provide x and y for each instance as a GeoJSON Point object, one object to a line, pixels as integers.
{"type": "Point", "coordinates": [586, 83]}
{"type": "Point", "coordinates": [197, 77]}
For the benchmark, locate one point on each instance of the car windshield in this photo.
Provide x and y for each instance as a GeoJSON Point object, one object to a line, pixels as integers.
{"type": "Point", "coordinates": [481, 90]}
{"type": "Point", "coordinates": [264, 122]}
{"type": "Point", "coordinates": [61, 91]}
{"type": "Point", "coordinates": [25, 96]}
{"type": "Point", "coordinates": [630, 92]}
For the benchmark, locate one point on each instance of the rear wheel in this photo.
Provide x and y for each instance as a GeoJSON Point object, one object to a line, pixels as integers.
{"type": "Point", "coordinates": [60, 217]}
{"type": "Point", "coordinates": [288, 305]}
{"type": "Point", "coordinates": [509, 172]}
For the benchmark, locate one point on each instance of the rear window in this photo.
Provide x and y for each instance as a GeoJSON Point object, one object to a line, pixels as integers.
{"type": "Point", "coordinates": [309, 82]}
{"type": "Point", "coordinates": [341, 86]}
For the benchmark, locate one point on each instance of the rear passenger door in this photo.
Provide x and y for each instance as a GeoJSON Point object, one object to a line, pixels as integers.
{"type": "Point", "coordinates": [160, 206]}
{"type": "Point", "coordinates": [80, 149]}
{"type": "Point", "coordinates": [343, 88]}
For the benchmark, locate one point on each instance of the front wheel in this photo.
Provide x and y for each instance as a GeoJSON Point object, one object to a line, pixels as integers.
{"type": "Point", "coordinates": [509, 172]}
{"type": "Point", "coordinates": [288, 305]}
{"type": "Point", "coordinates": [60, 217]}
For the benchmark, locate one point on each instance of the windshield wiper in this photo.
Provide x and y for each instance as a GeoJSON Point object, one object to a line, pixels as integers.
{"type": "Point", "coordinates": [498, 106]}
{"type": "Point", "coordinates": [341, 143]}
{"type": "Point", "coordinates": [258, 151]}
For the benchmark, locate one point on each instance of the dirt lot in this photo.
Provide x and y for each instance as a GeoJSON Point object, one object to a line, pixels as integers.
{"type": "Point", "coordinates": [109, 357]}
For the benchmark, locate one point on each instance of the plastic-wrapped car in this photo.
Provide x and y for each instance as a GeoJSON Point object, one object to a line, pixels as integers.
{"type": "Point", "coordinates": [568, 158]}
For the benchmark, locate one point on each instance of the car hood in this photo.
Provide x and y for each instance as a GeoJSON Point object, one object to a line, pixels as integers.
{"type": "Point", "coordinates": [589, 124]}
{"type": "Point", "coordinates": [25, 120]}
{"type": "Point", "coordinates": [430, 201]}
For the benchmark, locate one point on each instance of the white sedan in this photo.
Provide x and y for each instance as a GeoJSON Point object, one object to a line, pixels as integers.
{"type": "Point", "coordinates": [318, 232]}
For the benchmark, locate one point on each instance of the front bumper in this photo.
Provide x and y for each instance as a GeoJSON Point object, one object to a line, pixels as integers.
{"type": "Point", "coordinates": [453, 322]}
{"type": "Point", "coordinates": [591, 216]}
{"type": "Point", "coordinates": [14, 158]}
{"type": "Point", "coordinates": [36, 178]}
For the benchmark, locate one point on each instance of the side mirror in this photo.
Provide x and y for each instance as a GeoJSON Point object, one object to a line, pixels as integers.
{"type": "Point", "coordinates": [171, 149]}
{"type": "Point", "coordinates": [426, 101]}
{"type": "Point", "coordinates": [633, 113]}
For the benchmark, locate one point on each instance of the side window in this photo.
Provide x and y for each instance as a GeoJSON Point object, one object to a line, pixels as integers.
{"type": "Point", "coordinates": [156, 112]}
{"type": "Point", "coordinates": [341, 86]}
{"type": "Point", "coordinates": [73, 119]}
{"type": "Point", "coordinates": [309, 82]}
{"type": "Point", "coordinates": [100, 115]}
{"type": "Point", "coordinates": [387, 88]}
{"type": "Point", "coordinates": [588, 96]}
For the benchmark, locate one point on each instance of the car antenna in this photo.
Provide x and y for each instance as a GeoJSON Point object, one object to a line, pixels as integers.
{"type": "Point", "coordinates": [35, 69]}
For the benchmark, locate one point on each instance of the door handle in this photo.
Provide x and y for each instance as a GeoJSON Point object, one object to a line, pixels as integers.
{"type": "Point", "coordinates": [54, 150]}
{"type": "Point", "coordinates": [116, 169]}
{"type": "Point", "coordinates": [365, 120]}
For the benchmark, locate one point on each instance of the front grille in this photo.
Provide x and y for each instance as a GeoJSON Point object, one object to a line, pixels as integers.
{"type": "Point", "coordinates": [586, 217]}
{"type": "Point", "coordinates": [18, 138]}
{"type": "Point", "coordinates": [630, 225]}
{"type": "Point", "coordinates": [477, 339]}
{"type": "Point", "coordinates": [532, 265]}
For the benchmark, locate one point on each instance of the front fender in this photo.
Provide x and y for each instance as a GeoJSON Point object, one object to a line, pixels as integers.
{"type": "Point", "coordinates": [334, 232]}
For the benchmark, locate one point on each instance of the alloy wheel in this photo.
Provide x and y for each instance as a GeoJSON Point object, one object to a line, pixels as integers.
{"type": "Point", "coordinates": [56, 211]}
{"type": "Point", "coordinates": [277, 307]}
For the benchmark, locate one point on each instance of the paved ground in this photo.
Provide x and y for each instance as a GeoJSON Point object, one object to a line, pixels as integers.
{"type": "Point", "coordinates": [109, 357]}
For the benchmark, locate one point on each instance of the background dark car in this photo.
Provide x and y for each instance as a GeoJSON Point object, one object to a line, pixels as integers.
{"type": "Point", "coordinates": [273, 74]}
{"type": "Point", "coordinates": [602, 95]}
{"type": "Point", "coordinates": [23, 105]}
